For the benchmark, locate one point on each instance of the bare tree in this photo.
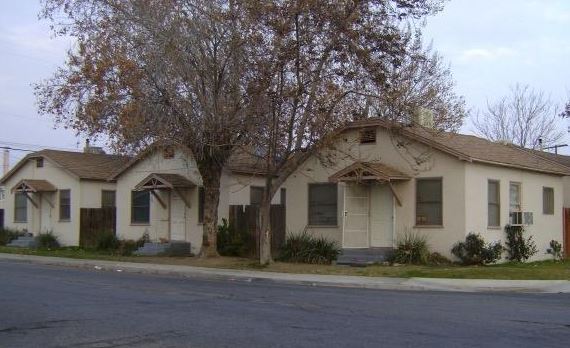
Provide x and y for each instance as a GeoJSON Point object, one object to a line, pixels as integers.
{"type": "Point", "coordinates": [327, 65]}
{"type": "Point", "coordinates": [521, 118]}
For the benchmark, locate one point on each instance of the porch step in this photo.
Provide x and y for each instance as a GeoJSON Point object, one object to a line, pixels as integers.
{"type": "Point", "coordinates": [172, 249]}
{"type": "Point", "coordinates": [25, 241]}
{"type": "Point", "coordinates": [364, 257]}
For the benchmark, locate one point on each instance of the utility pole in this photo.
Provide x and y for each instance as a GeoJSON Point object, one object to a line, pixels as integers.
{"type": "Point", "coordinates": [5, 161]}
{"type": "Point", "coordinates": [555, 147]}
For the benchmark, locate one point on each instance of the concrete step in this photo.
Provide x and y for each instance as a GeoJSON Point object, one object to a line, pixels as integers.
{"type": "Point", "coordinates": [364, 257]}
{"type": "Point", "coordinates": [23, 242]}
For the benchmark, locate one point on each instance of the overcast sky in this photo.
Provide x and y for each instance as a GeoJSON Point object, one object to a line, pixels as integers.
{"type": "Point", "coordinates": [490, 45]}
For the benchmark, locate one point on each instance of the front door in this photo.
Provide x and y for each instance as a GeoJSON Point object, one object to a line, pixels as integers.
{"type": "Point", "coordinates": [177, 218]}
{"type": "Point", "coordinates": [356, 216]}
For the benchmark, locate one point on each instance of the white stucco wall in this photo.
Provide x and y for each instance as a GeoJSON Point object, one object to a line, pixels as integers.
{"type": "Point", "coordinates": [45, 218]}
{"type": "Point", "coordinates": [544, 228]}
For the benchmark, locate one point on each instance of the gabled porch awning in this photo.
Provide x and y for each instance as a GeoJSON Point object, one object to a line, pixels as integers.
{"type": "Point", "coordinates": [368, 171]}
{"type": "Point", "coordinates": [164, 181]}
{"type": "Point", "coordinates": [33, 186]}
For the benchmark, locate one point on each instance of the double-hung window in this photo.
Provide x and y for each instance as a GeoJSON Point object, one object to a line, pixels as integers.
{"type": "Point", "coordinates": [140, 207]}
{"type": "Point", "coordinates": [64, 205]}
{"type": "Point", "coordinates": [323, 204]}
{"type": "Point", "coordinates": [548, 200]}
{"type": "Point", "coordinates": [493, 204]}
{"type": "Point", "coordinates": [20, 207]}
{"type": "Point", "coordinates": [429, 202]}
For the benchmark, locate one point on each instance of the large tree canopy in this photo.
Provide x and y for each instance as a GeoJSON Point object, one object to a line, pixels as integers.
{"type": "Point", "coordinates": [210, 74]}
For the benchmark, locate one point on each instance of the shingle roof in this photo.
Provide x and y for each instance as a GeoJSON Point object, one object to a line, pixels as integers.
{"type": "Point", "coordinates": [86, 166]}
{"type": "Point", "coordinates": [560, 159]}
{"type": "Point", "coordinates": [165, 180]}
{"type": "Point", "coordinates": [27, 185]}
{"type": "Point", "coordinates": [471, 148]}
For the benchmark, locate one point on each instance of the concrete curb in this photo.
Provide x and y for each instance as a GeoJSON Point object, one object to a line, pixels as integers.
{"type": "Point", "coordinates": [381, 283]}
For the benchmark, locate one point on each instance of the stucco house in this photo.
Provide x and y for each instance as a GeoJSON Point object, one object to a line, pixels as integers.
{"type": "Point", "coordinates": [159, 192]}
{"type": "Point", "coordinates": [45, 191]}
{"type": "Point", "coordinates": [382, 180]}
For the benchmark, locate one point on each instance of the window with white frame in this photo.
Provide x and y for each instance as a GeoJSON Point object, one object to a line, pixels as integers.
{"type": "Point", "coordinates": [20, 207]}
{"type": "Point", "coordinates": [515, 199]}
{"type": "Point", "coordinates": [493, 204]}
{"type": "Point", "coordinates": [323, 204]}
{"type": "Point", "coordinates": [429, 202]}
{"type": "Point", "coordinates": [548, 200]}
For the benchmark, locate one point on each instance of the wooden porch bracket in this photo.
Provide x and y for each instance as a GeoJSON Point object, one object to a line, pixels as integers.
{"type": "Point", "coordinates": [183, 197]}
{"type": "Point", "coordinates": [31, 200]}
{"type": "Point", "coordinates": [395, 194]}
{"type": "Point", "coordinates": [160, 201]}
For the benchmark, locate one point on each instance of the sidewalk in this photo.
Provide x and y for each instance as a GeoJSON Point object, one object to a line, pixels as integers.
{"type": "Point", "coordinates": [410, 284]}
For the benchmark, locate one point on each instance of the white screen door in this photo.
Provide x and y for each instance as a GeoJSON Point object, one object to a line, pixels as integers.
{"type": "Point", "coordinates": [356, 216]}
{"type": "Point", "coordinates": [177, 218]}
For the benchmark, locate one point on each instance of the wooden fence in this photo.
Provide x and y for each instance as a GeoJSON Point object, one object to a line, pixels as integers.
{"type": "Point", "coordinates": [94, 223]}
{"type": "Point", "coordinates": [246, 219]}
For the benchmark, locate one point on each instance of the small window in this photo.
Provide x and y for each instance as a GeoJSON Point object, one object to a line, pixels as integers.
{"type": "Point", "coordinates": [493, 204]}
{"type": "Point", "coordinates": [368, 136]}
{"type": "Point", "coordinates": [201, 198]}
{"type": "Point", "coordinates": [108, 199]}
{"type": "Point", "coordinates": [20, 207]}
{"type": "Point", "coordinates": [2, 194]}
{"type": "Point", "coordinates": [429, 202]}
{"type": "Point", "coordinates": [323, 204]}
{"type": "Point", "coordinates": [255, 195]}
{"type": "Point", "coordinates": [140, 207]}
{"type": "Point", "coordinates": [515, 197]}
{"type": "Point", "coordinates": [168, 152]}
{"type": "Point", "coordinates": [39, 163]}
{"type": "Point", "coordinates": [283, 197]}
{"type": "Point", "coordinates": [548, 200]}
{"type": "Point", "coordinates": [64, 205]}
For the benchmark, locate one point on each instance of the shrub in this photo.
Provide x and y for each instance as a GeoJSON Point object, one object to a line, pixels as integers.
{"type": "Point", "coordinates": [126, 247]}
{"type": "Point", "coordinates": [519, 248]}
{"type": "Point", "coordinates": [231, 242]}
{"type": "Point", "coordinates": [412, 248]}
{"type": "Point", "coordinates": [555, 250]}
{"type": "Point", "coordinates": [7, 235]}
{"type": "Point", "coordinates": [474, 251]}
{"type": "Point", "coordinates": [304, 248]}
{"type": "Point", "coordinates": [437, 259]}
{"type": "Point", "coordinates": [47, 241]}
{"type": "Point", "coordinates": [145, 238]}
{"type": "Point", "coordinates": [107, 241]}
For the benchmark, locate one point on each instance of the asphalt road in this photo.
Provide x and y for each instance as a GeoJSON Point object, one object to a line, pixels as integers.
{"type": "Point", "coordinates": [45, 306]}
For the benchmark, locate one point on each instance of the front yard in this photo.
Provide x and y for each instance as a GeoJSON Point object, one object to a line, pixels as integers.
{"type": "Point", "coordinates": [545, 270]}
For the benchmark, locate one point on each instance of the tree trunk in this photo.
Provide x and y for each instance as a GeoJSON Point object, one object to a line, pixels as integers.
{"type": "Point", "coordinates": [265, 224]}
{"type": "Point", "coordinates": [211, 173]}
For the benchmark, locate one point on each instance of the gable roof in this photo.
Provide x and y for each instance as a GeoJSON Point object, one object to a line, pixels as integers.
{"type": "Point", "coordinates": [471, 148]}
{"type": "Point", "coordinates": [368, 171]}
{"type": "Point", "coordinates": [164, 180]}
{"type": "Point", "coordinates": [27, 185]}
{"type": "Point", "coordinates": [84, 166]}
{"type": "Point", "coordinates": [560, 159]}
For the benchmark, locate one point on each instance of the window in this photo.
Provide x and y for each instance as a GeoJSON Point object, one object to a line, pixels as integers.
{"type": "Point", "coordinates": [548, 200]}
{"type": "Point", "coordinates": [201, 197]}
{"type": "Point", "coordinates": [493, 204]}
{"type": "Point", "coordinates": [20, 207]}
{"type": "Point", "coordinates": [515, 197]}
{"type": "Point", "coordinates": [429, 207]}
{"type": "Point", "coordinates": [64, 205]}
{"type": "Point", "coordinates": [283, 197]}
{"type": "Point", "coordinates": [323, 204]}
{"type": "Point", "coordinates": [368, 136]}
{"type": "Point", "coordinates": [255, 195]}
{"type": "Point", "coordinates": [108, 199]}
{"type": "Point", "coordinates": [140, 207]}
{"type": "Point", "coordinates": [39, 162]}
{"type": "Point", "coordinates": [2, 194]}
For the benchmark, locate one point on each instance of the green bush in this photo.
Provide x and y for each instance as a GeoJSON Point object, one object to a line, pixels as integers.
{"type": "Point", "coordinates": [126, 247]}
{"type": "Point", "coordinates": [555, 250]}
{"type": "Point", "coordinates": [107, 242]}
{"type": "Point", "coordinates": [7, 235]}
{"type": "Point", "coordinates": [519, 248]}
{"type": "Point", "coordinates": [437, 259]}
{"type": "Point", "coordinates": [46, 241]}
{"type": "Point", "coordinates": [304, 248]}
{"type": "Point", "coordinates": [231, 242]}
{"type": "Point", "coordinates": [474, 251]}
{"type": "Point", "coordinates": [145, 238]}
{"type": "Point", "coordinates": [412, 248]}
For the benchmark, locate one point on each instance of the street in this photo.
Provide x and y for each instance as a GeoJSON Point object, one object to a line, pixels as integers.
{"type": "Point", "coordinates": [46, 306]}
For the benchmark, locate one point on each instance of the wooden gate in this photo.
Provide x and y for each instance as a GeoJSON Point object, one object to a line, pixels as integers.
{"type": "Point", "coordinates": [566, 243]}
{"type": "Point", "coordinates": [94, 223]}
{"type": "Point", "coordinates": [246, 219]}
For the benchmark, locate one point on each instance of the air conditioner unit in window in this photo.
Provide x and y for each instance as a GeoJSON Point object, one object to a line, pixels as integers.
{"type": "Point", "coordinates": [516, 218]}
{"type": "Point", "coordinates": [528, 218]}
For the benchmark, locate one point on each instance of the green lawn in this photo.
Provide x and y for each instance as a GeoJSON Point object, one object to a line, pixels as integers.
{"type": "Point", "coordinates": [545, 270]}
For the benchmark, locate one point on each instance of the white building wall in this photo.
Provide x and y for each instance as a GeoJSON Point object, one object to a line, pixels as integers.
{"type": "Point", "coordinates": [544, 228]}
